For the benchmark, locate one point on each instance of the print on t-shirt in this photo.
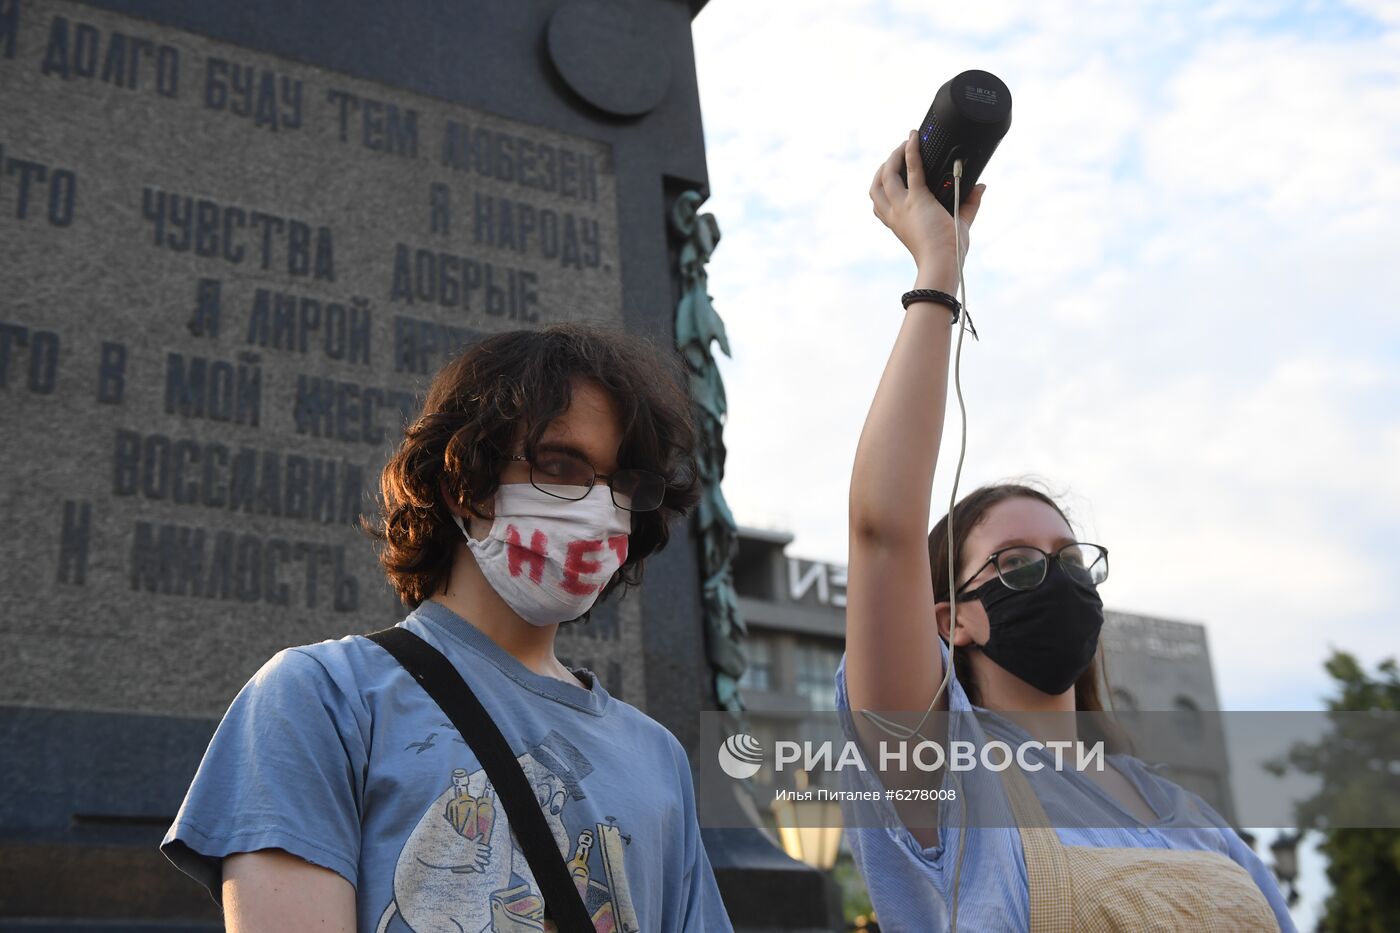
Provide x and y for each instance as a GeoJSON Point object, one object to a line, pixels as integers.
{"type": "Point", "coordinates": [460, 869]}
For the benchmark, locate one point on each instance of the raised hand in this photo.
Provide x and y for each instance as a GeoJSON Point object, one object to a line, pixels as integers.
{"type": "Point", "coordinates": [922, 224]}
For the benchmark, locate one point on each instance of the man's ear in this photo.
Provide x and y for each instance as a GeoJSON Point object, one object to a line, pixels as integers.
{"type": "Point", "coordinates": [943, 612]}
{"type": "Point", "coordinates": [450, 501]}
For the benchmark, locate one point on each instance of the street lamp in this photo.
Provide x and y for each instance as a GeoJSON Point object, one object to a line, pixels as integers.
{"type": "Point", "coordinates": [809, 830]}
{"type": "Point", "coordinates": [1285, 851]}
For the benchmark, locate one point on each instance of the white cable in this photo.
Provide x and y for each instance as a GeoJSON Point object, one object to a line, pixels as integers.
{"type": "Point", "coordinates": [962, 415]}
{"type": "Point", "coordinates": [953, 499]}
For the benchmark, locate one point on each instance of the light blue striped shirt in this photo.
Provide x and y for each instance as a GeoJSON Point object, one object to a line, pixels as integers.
{"type": "Point", "coordinates": [911, 886]}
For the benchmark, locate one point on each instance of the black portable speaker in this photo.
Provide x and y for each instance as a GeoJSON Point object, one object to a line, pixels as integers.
{"type": "Point", "coordinates": [969, 116]}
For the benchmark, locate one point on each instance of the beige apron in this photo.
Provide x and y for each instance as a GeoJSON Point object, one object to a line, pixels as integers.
{"type": "Point", "coordinates": [1086, 889]}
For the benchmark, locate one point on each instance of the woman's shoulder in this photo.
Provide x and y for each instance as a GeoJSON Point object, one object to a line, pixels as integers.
{"type": "Point", "coordinates": [1145, 774]}
{"type": "Point", "coordinates": [1178, 806]}
{"type": "Point", "coordinates": [958, 701]}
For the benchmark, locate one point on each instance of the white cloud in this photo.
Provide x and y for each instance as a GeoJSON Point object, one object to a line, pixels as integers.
{"type": "Point", "coordinates": [1387, 11]}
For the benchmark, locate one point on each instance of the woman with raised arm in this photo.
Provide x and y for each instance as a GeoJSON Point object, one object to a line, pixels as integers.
{"type": "Point", "coordinates": [1115, 849]}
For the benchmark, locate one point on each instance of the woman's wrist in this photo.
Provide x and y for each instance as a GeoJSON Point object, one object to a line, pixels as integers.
{"type": "Point", "coordinates": [940, 274]}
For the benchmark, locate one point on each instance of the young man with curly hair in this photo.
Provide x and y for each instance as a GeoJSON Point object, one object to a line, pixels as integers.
{"type": "Point", "coordinates": [544, 470]}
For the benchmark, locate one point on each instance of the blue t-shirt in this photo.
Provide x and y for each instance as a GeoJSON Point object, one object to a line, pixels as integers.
{"type": "Point", "coordinates": [335, 754]}
{"type": "Point", "coordinates": [911, 886]}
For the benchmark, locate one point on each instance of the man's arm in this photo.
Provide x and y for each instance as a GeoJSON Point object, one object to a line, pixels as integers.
{"type": "Point", "coordinates": [272, 891]}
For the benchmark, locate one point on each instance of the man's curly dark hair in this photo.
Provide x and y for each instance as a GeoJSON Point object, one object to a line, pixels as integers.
{"type": "Point", "coordinates": [508, 388]}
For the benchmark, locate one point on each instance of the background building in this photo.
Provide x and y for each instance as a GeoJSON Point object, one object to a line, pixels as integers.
{"type": "Point", "coordinates": [1164, 665]}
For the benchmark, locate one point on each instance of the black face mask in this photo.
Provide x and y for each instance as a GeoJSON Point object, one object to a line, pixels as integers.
{"type": "Point", "coordinates": [1046, 636]}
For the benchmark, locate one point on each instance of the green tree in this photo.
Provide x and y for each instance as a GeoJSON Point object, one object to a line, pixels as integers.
{"type": "Point", "coordinates": [1356, 764]}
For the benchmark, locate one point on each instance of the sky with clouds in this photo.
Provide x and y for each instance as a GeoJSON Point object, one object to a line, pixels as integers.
{"type": "Point", "coordinates": [1185, 274]}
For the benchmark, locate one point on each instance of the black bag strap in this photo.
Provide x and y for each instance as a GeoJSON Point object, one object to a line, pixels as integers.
{"type": "Point", "coordinates": [440, 679]}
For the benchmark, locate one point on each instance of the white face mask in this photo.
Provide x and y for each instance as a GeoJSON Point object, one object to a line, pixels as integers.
{"type": "Point", "coordinates": [548, 557]}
